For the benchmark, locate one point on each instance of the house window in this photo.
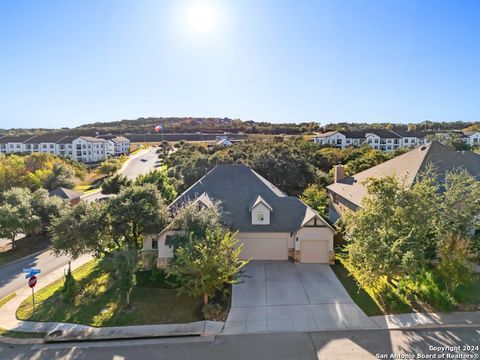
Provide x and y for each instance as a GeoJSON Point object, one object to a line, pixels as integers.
{"type": "Point", "coordinates": [260, 216]}
{"type": "Point", "coordinates": [154, 244]}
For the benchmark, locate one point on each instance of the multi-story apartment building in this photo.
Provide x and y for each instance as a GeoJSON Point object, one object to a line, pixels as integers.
{"type": "Point", "coordinates": [82, 148]}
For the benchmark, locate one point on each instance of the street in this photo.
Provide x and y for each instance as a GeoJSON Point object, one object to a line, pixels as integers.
{"type": "Point", "coordinates": [139, 164]}
{"type": "Point", "coordinates": [360, 344]}
{"type": "Point", "coordinates": [12, 278]}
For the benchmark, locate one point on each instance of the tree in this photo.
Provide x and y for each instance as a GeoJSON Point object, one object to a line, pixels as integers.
{"type": "Point", "coordinates": [46, 207]}
{"type": "Point", "coordinates": [83, 229]}
{"type": "Point", "coordinates": [135, 211]}
{"type": "Point", "coordinates": [16, 214]}
{"type": "Point", "coordinates": [393, 234]}
{"type": "Point", "coordinates": [316, 197]}
{"type": "Point", "coordinates": [59, 176]}
{"type": "Point", "coordinates": [460, 204]}
{"type": "Point", "coordinates": [114, 184]}
{"type": "Point", "coordinates": [126, 266]}
{"type": "Point", "coordinates": [454, 265]}
{"type": "Point", "coordinates": [161, 181]}
{"type": "Point", "coordinates": [204, 265]}
{"type": "Point", "coordinates": [109, 167]}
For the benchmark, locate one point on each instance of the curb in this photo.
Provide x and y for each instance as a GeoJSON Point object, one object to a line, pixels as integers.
{"type": "Point", "coordinates": [20, 341]}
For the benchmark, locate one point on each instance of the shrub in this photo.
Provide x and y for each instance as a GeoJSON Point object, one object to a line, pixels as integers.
{"type": "Point", "coordinates": [427, 289]}
{"type": "Point", "coordinates": [212, 312]}
{"type": "Point", "coordinates": [69, 288]}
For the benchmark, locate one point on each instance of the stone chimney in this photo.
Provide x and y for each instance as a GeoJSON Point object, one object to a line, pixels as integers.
{"type": "Point", "coordinates": [338, 173]}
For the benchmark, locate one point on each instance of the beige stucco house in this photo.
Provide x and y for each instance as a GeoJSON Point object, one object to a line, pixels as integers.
{"type": "Point", "coordinates": [270, 224]}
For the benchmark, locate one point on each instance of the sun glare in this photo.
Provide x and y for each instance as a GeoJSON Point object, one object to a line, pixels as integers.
{"type": "Point", "coordinates": [201, 17]}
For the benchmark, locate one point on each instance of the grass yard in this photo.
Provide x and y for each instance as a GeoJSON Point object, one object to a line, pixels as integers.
{"type": "Point", "coordinates": [24, 247]}
{"type": "Point", "coordinates": [359, 296]}
{"type": "Point", "coordinates": [98, 303]}
{"type": "Point", "coordinates": [470, 294]}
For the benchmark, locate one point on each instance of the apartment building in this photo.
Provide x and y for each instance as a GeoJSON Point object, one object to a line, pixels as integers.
{"type": "Point", "coordinates": [87, 149]}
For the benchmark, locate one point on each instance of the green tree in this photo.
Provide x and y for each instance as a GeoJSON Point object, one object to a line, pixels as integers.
{"type": "Point", "coordinates": [46, 207]}
{"type": "Point", "coordinates": [394, 233]}
{"type": "Point", "coordinates": [114, 184]}
{"type": "Point", "coordinates": [454, 265]}
{"type": "Point", "coordinates": [204, 265]}
{"type": "Point", "coordinates": [83, 229]}
{"type": "Point", "coordinates": [109, 167]}
{"type": "Point", "coordinates": [316, 197]}
{"type": "Point", "coordinates": [59, 176]}
{"type": "Point", "coordinates": [161, 181]}
{"type": "Point", "coordinates": [135, 211]}
{"type": "Point", "coordinates": [16, 214]}
{"type": "Point", "coordinates": [126, 266]}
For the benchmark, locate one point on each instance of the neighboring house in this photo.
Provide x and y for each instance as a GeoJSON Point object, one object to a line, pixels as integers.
{"type": "Point", "coordinates": [380, 139]}
{"type": "Point", "coordinates": [270, 224]}
{"type": "Point", "coordinates": [348, 192]}
{"type": "Point", "coordinates": [121, 145]}
{"type": "Point", "coordinates": [384, 140]}
{"type": "Point", "coordinates": [472, 138]}
{"type": "Point", "coordinates": [81, 148]}
{"type": "Point", "coordinates": [224, 142]}
{"type": "Point", "coordinates": [13, 144]}
{"type": "Point", "coordinates": [71, 196]}
{"type": "Point", "coordinates": [89, 149]}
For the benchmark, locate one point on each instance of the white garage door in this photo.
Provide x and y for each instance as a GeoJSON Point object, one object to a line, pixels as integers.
{"type": "Point", "coordinates": [314, 251]}
{"type": "Point", "coordinates": [265, 248]}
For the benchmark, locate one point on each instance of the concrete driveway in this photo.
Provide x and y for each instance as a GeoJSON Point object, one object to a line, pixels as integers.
{"type": "Point", "coordinates": [283, 296]}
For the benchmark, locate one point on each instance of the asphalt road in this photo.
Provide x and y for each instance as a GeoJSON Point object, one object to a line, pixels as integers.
{"type": "Point", "coordinates": [12, 278]}
{"type": "Point", "coordinates": [360, 344]}
{"type": "Point", "coordinates": [136, 166]}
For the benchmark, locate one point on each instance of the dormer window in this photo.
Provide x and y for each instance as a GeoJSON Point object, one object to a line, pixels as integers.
{"type": "Point", "coordinates": [261, 211]}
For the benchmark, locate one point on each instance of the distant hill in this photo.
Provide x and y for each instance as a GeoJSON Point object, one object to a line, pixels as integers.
{"type": "Point", "coordinates": [221, 125]}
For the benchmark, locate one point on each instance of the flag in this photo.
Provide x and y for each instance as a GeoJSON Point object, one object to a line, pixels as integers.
{"type": "Point", "coordinates": [158, 128]}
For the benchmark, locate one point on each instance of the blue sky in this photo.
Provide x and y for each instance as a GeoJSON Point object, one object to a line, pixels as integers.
{"type": "Point", "coordinates": [65, 63]}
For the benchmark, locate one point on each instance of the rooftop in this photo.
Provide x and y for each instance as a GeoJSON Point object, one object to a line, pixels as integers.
{"type": "Point", "coordinates": [237, 187]}
{"type": "Point", "coordinates": [407, 166]}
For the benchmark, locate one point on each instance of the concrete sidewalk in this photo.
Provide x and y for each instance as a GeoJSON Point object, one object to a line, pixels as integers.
{"type": "Point", "coordinates": [423, 320]}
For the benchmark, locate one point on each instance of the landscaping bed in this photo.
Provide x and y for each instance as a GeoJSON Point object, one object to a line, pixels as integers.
{"type": "Point", "coordinates": [392, 301]}
{"type": "Point", "coordinates": [99, 303]}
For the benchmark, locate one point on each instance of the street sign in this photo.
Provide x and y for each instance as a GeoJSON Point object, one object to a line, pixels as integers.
{"type": "Point", "coordinates": [32, 281]}
{"type": "Point", "coordinates": [31, 272]}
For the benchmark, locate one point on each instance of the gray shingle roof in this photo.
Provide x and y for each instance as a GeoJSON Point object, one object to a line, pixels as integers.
{"type": "Point", "coordinates": [15, 139]}
{"type": "Point", "coordinates": [48, 138]}
{"type": "Point", "coordinates": [237, 187]}
{"type": "Point", "coordinates": [407, 166]}
{"type": "Point", "coordinates": [65, 193]}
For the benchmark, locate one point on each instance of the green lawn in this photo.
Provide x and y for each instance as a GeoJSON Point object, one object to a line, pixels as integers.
{"type": "Point", "coordinates": [24, 247]}
{"type": "Point", "coordinates": [359, 296]}
{"type": "Point", "coordinates": [98, 303]}
{"type": "Point", "coordinates": [469, 294]}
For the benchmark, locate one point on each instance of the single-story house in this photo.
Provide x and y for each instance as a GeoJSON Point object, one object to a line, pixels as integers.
{"type": "Point", "coordinates": [73, 197]}
{"type": "Point", "coordinates": [270, 224]}
{"type": "Point", "coordinates": [348, 192]}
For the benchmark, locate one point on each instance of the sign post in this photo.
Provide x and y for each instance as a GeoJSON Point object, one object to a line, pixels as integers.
{"type": "Point", "coordinates": [32, 281]}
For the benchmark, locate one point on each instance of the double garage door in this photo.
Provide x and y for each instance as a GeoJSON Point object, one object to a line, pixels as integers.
{"type": "Point", "coordinates": [266, 247]}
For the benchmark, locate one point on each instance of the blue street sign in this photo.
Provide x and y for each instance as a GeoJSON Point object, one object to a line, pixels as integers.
{"type": "Point", "coordinates": [31, 272]}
